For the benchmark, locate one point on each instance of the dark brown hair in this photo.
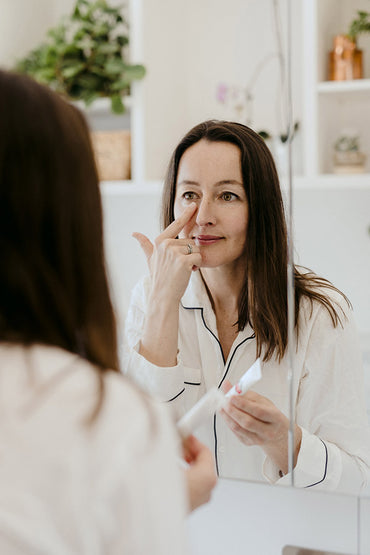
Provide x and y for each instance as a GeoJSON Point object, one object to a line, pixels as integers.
{"type": "Point", "coordinates": [263, 298]}
{"type": "Point", "coordinates": [53, 282]}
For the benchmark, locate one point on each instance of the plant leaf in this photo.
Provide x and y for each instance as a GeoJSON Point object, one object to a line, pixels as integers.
{"type": "Point", "coordinates": [134, 72]}
{"type": "Point", "coordinates": [71, 70]}
{"type": "Point", "coordinates": [115, 66]}
{"type": "Point", "coordinates": [117, 105]}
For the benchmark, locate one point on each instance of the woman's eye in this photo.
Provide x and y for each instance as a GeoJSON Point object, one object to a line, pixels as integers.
{"type": "Point", "coordinates": [189, 195]}
{"type": "Point", "coordinates": [228, 196]}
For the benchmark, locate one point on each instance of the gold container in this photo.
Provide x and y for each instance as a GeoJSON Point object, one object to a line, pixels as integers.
{"type": "Point", "coordinates": [345, 60]}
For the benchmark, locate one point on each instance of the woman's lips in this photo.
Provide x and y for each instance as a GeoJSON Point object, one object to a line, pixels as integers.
{"type": "Point", "coordinates": [203, 240]}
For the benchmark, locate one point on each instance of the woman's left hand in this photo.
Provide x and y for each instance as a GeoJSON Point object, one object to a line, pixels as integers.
{"type": "Point", "coordinates": [255, 420]}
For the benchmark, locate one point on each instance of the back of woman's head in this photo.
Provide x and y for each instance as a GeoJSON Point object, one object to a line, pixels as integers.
{"type": "Point", "coordinates": [53, 285]}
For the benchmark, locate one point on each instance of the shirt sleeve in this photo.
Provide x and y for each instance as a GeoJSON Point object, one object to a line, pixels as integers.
{"type": "Point", "coordinates": [165, 383]}
{"type": "Point", "coordinates": [331, 411]}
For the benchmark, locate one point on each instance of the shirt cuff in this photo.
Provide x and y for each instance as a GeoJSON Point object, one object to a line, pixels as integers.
{"type": "Point", "coordinates": [165, 383]}
{"type": "Point", "coordinates": [311, 468]}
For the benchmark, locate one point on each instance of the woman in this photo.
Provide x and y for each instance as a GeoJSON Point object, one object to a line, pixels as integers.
{"type": "Point", "coordinates": [216, 300]}
{"type": "Point", "coordinates": [89, 464]}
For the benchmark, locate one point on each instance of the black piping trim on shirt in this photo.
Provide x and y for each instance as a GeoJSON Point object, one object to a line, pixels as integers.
{"type": "Point", "coordinates": [326, 466]}
{"type": "Point", "coordinates": [232, 356]}
{"type": "Point", "coordinates": [215, 436]}
{"type": "Point", "coordinates": [205, 325]}
{"type": "Point", "coordinates": [227, 369]}
{"type": "Point", "coordinates": [173, 398]}
{"type": "Point", "coordinates": [219, 385]}
{"type": "Point", "coordinates": [192, 383]}
{"type": "Point", "coordinates": [215, 336]}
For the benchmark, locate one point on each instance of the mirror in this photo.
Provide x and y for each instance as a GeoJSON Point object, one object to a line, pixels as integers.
{"type": "Point", "coordinates": [214, 60]}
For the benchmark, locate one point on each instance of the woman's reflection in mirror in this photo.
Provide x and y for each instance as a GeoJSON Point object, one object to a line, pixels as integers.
{"type": "Point", "coordinates": [215, 299]}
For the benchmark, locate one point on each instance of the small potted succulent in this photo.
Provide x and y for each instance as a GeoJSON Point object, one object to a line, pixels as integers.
{"type": "Point", "coordinates": [347, 155]}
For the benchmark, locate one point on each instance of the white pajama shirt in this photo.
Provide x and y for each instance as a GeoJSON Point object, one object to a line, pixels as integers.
{"type": "Point", "coordinates": [328, 389]}
{"type": "Point", "coordinates": [67, 487]}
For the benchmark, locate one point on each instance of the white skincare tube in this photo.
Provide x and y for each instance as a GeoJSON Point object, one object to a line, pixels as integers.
{"type": "Point", "coordinates": [215, 399]}
{"type": "Point", "coordinates": [251, 376]}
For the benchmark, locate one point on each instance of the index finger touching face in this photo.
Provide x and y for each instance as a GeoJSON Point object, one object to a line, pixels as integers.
{"type": "Point", "coordinates": [181, 222]}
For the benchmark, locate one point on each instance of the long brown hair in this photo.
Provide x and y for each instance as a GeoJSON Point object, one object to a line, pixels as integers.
{"type": "Point", "coordinates": [263, 297]}
{"type": "Point", "coordinates": [53, 282]}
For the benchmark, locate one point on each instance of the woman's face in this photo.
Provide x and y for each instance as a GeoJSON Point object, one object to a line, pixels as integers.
{"type": "Point", "coordinates": [210, 175]}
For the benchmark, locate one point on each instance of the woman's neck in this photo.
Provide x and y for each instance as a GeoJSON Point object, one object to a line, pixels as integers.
{"type": "Point", "coordinates": [223, 287]}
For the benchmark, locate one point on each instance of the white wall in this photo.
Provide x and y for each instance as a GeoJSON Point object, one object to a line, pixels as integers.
{"type": "Point", "coordinates": [24, 23]}
{"type": "Point", "coordinates": [17, 34]}
{"type": "Point", "coordinates": [190, 47]}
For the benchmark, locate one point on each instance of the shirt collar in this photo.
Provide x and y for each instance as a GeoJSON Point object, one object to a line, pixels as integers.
{"type": "Point", "coordinates": [195, 295]}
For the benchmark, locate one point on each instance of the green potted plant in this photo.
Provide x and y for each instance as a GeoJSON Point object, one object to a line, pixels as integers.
{"type": "Point", "coordinates": [359, 25]}
{"type": "Point", "coordinates": [84, 56]}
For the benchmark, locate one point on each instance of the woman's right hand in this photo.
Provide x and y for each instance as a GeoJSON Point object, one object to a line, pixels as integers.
{"type": "Point", "coordinates": [169, 260]}
{"type": "Point", "coordinates": [200, 475]}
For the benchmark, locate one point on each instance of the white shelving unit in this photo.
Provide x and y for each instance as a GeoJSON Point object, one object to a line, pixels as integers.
{"type": "Point", "coordinates": [332, 221]}
{"type": "Point", "coordinates": [330, 106]}
{"type": "Point", "coordinates": [357, 86]}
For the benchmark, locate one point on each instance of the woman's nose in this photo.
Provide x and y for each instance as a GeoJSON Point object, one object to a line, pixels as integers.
{"type": "Point", "coordinates": [206, 213]}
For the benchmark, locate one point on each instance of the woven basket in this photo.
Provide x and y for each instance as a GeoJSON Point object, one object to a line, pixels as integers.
{"type": "Point", "coordinates": [112, 154]}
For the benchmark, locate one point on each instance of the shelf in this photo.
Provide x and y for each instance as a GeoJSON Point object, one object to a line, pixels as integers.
{"type": "Point", "coordinates": [338, 87]}
{"type": "Point", "coordinates": [101, 105]}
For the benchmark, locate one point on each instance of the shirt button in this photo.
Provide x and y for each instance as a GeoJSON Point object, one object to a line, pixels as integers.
{"type": "Point", "coordinates": [221, 449]}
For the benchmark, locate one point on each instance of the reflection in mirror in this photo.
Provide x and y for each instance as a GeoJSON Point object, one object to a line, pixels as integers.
{"type": "Point", "coordinates": [181, 365]}
{"type": "Point", "coordinates": [331, 428]}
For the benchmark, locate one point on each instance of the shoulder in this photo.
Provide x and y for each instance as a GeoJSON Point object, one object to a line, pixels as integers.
{"type": "Point", "coordinates": [324, 301]}
{"type": "Point", "coordinates": [327, 316]}
{"type": "Point", "coordinates": [141, 423]}
{"type": "Point", "coordinates": [126, 420]}
{"type": "Point", "coordinates": [127, 412]}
